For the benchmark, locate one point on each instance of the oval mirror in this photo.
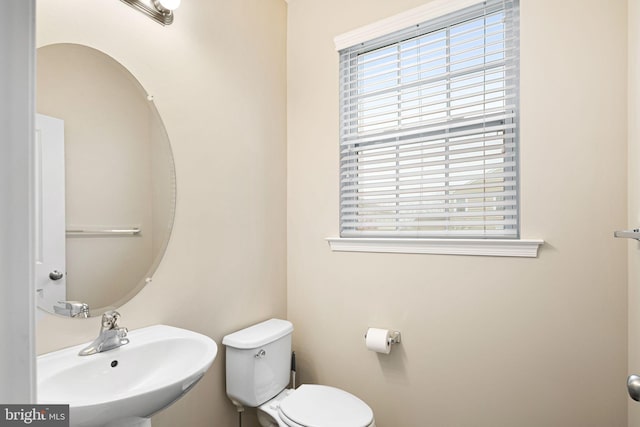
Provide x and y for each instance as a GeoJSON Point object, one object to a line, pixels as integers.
{"type": "Point", "coordinates": [105, 182]}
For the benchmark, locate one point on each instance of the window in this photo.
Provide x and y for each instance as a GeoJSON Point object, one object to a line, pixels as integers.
{"type": "Point", "coordinates": [429, 129]}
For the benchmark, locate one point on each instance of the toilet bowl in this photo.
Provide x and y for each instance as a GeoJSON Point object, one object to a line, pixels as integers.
{"type": "Point", "coordinates": [258, 365]}
{"type": "Point", "coordinates": [315, 405]}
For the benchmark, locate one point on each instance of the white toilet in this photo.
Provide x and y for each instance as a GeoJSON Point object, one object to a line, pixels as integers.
{"type": "Point", "coordinates": [258, 370]}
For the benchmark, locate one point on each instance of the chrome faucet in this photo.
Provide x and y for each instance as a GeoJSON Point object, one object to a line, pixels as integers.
{"type": "Point", "coordinates": [110, 337]}
{"type": "Point", "coordinates": [72, 309]}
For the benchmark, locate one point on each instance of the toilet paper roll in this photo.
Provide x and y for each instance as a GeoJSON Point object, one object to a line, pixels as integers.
{"type": "Point", "coordinates": [378, 340]}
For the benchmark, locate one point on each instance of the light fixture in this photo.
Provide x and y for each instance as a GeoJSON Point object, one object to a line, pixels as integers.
{"type": "Point", "coordinates": [160, 11]}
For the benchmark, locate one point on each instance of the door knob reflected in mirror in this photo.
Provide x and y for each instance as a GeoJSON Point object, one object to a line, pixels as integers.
{"type": "Point", "coordinates": [633, 387]}
{"type": "Point", "coordinates": [55, 275]}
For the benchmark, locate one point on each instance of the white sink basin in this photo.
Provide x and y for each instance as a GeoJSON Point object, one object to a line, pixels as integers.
{"type": "Point", "coordinates": [159, 365]}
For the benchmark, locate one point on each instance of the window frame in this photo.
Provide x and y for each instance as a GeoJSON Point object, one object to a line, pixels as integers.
{"type": "Point", "coordinates": [377, 35]}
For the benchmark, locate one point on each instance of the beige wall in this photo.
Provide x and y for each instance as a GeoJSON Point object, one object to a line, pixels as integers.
{"type": "Point", "coordinates": [634, 198]}
{"type": "Point", "coordinates": [487, 342]}
{"type": "Point", "coordinates": [218, 78]}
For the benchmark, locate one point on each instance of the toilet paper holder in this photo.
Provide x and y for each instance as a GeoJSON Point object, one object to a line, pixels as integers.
{"type": "Point", "coordinates": [394, 337]}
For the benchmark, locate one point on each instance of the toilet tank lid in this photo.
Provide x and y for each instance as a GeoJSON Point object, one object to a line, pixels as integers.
{"type": "Point", "coordinates": [258, 335]}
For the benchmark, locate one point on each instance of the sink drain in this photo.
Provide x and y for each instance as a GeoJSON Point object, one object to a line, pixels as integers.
{"type": "Point", "coordinates": [114, 363]}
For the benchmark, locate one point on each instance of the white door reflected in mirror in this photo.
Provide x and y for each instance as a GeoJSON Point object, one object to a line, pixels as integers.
{"type": "Point", "coordinates": [49, 232]}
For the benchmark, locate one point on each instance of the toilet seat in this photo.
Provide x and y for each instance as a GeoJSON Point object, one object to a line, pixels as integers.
{"type": "Point", "coordinates": [322, 406]}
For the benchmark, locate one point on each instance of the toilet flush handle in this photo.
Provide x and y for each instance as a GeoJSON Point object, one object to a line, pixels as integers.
{"type": "Point", "coordinates": [261, 354]}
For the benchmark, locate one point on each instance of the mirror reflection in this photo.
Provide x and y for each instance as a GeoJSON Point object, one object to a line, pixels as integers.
{"type": "Point", "coordinates": [105, 182]}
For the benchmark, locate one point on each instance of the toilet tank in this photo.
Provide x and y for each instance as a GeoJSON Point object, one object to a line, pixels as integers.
{"type": "Point", "coordinates": [258, 362]}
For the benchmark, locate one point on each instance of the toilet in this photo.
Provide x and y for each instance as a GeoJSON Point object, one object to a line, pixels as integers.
{"type": "Point", "coordinates": [258, 370]}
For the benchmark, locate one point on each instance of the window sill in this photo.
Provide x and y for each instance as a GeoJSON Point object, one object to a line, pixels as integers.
{"type": "Point", "coordinates": [479, 247]}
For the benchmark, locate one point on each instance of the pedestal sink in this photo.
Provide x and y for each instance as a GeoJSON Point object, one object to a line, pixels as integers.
{"type": "Point", "coordinates": [126, 385]}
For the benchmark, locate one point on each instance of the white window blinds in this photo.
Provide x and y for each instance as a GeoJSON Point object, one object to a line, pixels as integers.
{"type": "Point", "coordinates": [429, 129]}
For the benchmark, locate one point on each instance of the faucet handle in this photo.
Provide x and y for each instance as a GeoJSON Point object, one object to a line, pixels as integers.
{"type": "Point", "coordinates": [110, 319]}
{"type": "Point", "coordinates": [83, 311]}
